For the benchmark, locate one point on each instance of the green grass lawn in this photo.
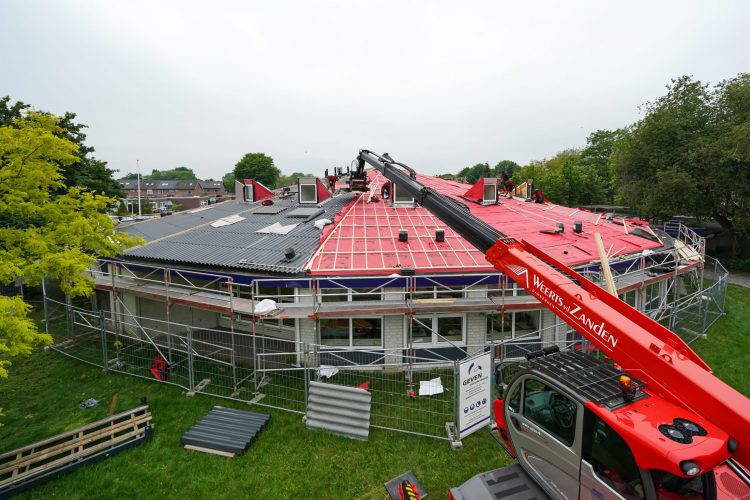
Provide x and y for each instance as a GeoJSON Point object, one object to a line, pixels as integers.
{"type": "Point", "coordinates": [727, 347]}
{"type": "Point", "coordinates": [287, 461]}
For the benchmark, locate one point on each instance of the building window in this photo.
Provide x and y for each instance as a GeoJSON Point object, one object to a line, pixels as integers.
{"type": "Point", "coordinates": [611, 458]}
{"type": "Point", "coordinates": [437, 329]}
{"type": "Point", "coordinates": [308, 189]}
{"type": "Point", "coordinates": [489, 196]}
{"type": "Point", "coordinates": [351, 332]}
{"type": "Point", "coordinates": [438, 292]}
{"type": "Point", "coordinates": [550, 410]}
{"type": "Point", "coordinates": [653, 297]}
{"type": "Point", "coordinates": [630, 298]}
{"type": "Point", "coordinates": [401, 195]}
{"type": "Point", "coordinates": [350, 294]}
{"type": "Point", "coordinates": [513, 325]}
{"type": "Point", "coordinates": [149, 192]}
{"type": "Point", "coordinates": [511, 289]}
{"type": "Point", "coordinates": [276, 293]}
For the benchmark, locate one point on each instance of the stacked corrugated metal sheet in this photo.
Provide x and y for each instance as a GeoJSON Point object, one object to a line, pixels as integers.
{"type": "Point", "coordinates": [339, 409]}
{"type": "Point", "coordinates": [225, 431]}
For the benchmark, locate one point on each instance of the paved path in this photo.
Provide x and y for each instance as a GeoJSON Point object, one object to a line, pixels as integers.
{"type": "Point", "coordinates": [737, 278]}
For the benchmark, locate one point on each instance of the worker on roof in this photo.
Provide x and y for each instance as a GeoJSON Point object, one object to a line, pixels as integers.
{"type": "Point", "coordinates": [508, 186]}
{"type": "Point", "coordinates": [331, 182]}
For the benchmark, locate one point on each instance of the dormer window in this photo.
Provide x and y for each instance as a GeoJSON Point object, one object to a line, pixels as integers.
{"type": "Point", "coordinates": [484, 191]}
{"type": "Point", "coordinates": [490, 192]}
{"type": "Point", "coordinates": [308, 190]}
{"type": "Point", "coordinates": [401, 197]}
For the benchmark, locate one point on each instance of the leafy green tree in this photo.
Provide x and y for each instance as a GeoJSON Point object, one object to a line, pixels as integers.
{"type": "Point", "coordinates": [174, 174]}
{"type": "Point", "coordinates": [131, 176]}
{"type": "Point", "coordinates": [509, 167]}
{"type": "Point", "coordinates": [690, 155]}
{"type": "Point", "coordinates": [673, 136]}
{"type": "Point", "coordinates": [472, 174]}
{"type": "Point", "coordinates": [259, 167]}
{"type": "Point", "coordinates": [228, 180]}
{"type": "Point", "coordinates": [291, 179]}
{"type": "Point", "coordinates": [86, 172]}
{"type": "Point", "coordinates": [46, 229]}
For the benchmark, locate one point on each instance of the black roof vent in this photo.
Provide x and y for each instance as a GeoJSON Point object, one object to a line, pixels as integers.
{"type": "Point", "coordinates": [289, 253]}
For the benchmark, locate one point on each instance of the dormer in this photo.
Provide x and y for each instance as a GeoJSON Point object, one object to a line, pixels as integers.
{"type": "Point", "coordinates": [401, 198]}
{"type": "Point", "coordinates": [251, 191]}
{"type": "Point", "coordinates": [311, 191]}
{"type": "Point", "coordinates": [484, 191]}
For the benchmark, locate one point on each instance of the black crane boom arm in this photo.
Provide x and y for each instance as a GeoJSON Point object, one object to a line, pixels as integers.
{"type": "Point", "coordinates": [453, 213]}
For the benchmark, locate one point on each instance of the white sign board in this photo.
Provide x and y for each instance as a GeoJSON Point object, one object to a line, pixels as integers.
{"type": "Point", "coordinates": [474, 393]}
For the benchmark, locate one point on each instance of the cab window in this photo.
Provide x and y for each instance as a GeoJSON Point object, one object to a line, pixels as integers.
{"type": "Point", "coordinates": [550, 410]}
{"type": "Point", "coordinates": [611, 458]}
{"type": "Point", "coordinates": [514, 399]}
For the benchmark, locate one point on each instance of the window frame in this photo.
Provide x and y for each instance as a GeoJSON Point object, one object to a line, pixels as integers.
{"type": "Point", "coordinates": [552, 433]}
{"type": "Point", "coordinates": [434, 339]}
{"type": "Point", "coordinates": [513, 333]}
{"type": "Point", "coordinates": [589, 433]}
{"type": "Point", "coordinates": [351, 344]}
{"type": "Point", "coordinates": [348, 296]}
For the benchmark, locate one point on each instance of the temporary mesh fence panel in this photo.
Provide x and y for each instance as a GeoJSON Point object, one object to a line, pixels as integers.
{"type": "Point", "coordinates": [250, 362]}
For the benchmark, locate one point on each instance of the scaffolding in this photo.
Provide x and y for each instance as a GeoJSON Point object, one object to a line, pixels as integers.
{"type": "Point", "coordinates": [269, 358]}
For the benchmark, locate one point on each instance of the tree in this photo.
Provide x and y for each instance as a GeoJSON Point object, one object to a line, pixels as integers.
{"type": "Point", "coordinates": [175, 174]}
{"type": "Point", "coordinates": [259, 167]}
{"type": "Point", "coordinates": [86, 172]}
{"type": "Point", "coordinates": [596, 157]}
{"type": "Point", "coordinates": [472, 174]}
{"type": "Point", "coordinates": [567, 179]}
{"type": "Point", "coordinates": [130, 176]}
{"type": "Point", "coordinates": [228, 180]}
{"type": "Point", "coordinates": [291, 179]}
{"type": "Point", "coordinates": [507, 166]}
{"type": "Point", "coordinates": [690, 155]}
{"type": "Point", "coordinates": [46, 229]}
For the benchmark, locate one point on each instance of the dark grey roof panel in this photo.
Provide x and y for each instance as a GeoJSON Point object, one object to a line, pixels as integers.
{"type": "Point", "coordinates": [190, 239]}
{"type": "Point", "coordinates": [271, 209]}
{"type": "Point", "coordinates": [305, 212]}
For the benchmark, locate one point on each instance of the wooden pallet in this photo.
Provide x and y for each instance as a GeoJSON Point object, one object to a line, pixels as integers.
{"type": "Point", "coordinates": [38, 462]}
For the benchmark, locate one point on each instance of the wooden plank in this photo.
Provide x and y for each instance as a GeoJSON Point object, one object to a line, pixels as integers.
{"type": "Point", "coordinates": [209, 450]}
{"type": "Point", "coordinates": [605, 265]}
{"type": "Point", "coordinates": [74, 431]}
{"type": "Point", "coordinates": [112, 405]}
{"type": "Point", "coordinates": [79, 442]}
{"type": "Point", "coordinates": [76, 456]}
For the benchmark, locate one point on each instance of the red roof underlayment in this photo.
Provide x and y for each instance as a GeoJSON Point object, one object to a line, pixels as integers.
{"type": "Point", "coordinates": [363, 240]}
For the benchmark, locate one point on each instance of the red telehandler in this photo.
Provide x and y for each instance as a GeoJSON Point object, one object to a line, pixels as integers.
{"type": "Point", "coordinates": [659, 426]}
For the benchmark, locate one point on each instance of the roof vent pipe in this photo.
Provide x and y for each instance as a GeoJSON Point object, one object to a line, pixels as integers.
{"type": "Point", "coordinates": [403, 235]}
{"type": "Point", "coordinates": [289, 253]}
{"type": "Point", "coordinates": [578, 227]}
{"type": "Point", "coordinates": [440, 235]}
{"type": "Point", "coordinates": [560, 228]}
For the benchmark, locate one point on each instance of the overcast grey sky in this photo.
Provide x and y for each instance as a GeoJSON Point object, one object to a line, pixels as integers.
{"type": "Point", "coordinates": [438, 84]}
